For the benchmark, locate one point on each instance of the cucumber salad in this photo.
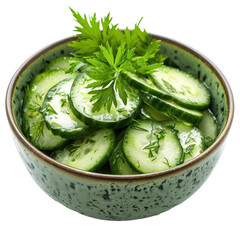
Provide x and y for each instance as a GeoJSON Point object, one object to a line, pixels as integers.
{"type": "Point", "coordinates": [116, 105]}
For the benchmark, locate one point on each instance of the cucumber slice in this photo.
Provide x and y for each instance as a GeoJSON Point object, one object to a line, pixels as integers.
{"type": "Point", "coordinates": [148, 112]}
{"type": "Point", "coordinates": [90, 153]}
{"type": "Point", "coordinates": [34, 126]}
{"type": "Point", "coordinates": [58, 114]}
{"type": "Point", "coordinates": [148, 147]}
{"type": "Point", "coordinates": [190, 138]}
{"type": "Point", "coordinates": [118, 163]}
{"type": "Point", "coordinates": [184, 89]}
{"type": "Point", "coordinates": [172, 109]}
{"type": "Point", "coordinates": [59, 63]}
{"type": "Point", "coordinates": [145, 84]}
{"type": "Point", "coordinates": [208, 127]}
{"type": "Point", "coordinates": [118, 117]}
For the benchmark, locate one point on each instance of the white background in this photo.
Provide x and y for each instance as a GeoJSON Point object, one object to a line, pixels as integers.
{"type": "Point", "coordinates": [211, 27]}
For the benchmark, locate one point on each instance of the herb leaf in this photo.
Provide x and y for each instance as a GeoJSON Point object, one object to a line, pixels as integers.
{"type": "Point", "coordinates": [104, 51]}
{"type": "Point", "coordinates": [105, 97]}
{"type": "Point", "coordinates": [106, 73]}
{"type": "Point", "coordinates": [153, 146]}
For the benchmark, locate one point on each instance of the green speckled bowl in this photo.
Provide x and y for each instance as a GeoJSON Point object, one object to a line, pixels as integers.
{"type": "Point", "coordinates": [116, 197]}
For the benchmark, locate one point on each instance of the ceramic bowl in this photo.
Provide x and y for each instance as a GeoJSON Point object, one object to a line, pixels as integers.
{"type": "Point", "coordinates": [114, 197]}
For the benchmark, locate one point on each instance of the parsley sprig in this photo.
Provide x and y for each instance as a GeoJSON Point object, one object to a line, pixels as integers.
{"type": "Point", "coordinates": [106, 52]}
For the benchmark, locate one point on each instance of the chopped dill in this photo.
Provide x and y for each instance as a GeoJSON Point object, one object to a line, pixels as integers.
{"type": "Point", "coordinates": [38, 128]}
{"type": "Point", "coordinates": [50, 110]}
{"type": "Point", "coordinates": [189, 138]}
{"type": "Point", "coordinates": [189, 149]}
{"type": "Point", "coordinates": [167, 162]}
{"type": "Point", "coordinates": [154, 143]}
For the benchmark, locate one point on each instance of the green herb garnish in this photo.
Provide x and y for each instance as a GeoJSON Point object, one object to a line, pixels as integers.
{"type": "Point", "coordinates": [50, 110]}
{"type": "Point", "coordinates": [189, 138]}
{"type": "Point", "coordinates": [189, 149]}
{"type": "Point", "coordinates": [154, 143]}
{"type": "Point", "coordinates": [38, 128]}
{"type": "Point", "coordinates": [167, 162]}
{"type": "Point", "coordinates": [169, 86]}
{"type": "Point", "coordinates": [105, 52]}
{"type": "Point", "coordinates": [208, 141]}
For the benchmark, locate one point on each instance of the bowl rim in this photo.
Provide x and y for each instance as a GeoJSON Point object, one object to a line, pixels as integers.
{"type": "Point", "coordinates": [119, 178]}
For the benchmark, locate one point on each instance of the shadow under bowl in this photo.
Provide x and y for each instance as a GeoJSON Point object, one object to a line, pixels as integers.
{"type": "Point", "coordinates": [115, 197]}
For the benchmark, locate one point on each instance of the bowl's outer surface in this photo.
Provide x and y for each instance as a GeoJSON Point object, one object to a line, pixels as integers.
{"type": "Point", "coordinates": [121, 197]}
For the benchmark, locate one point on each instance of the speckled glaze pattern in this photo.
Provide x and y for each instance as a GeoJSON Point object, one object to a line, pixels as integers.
{"type": "Point", "coordinates": [113, 200]}
{"type": "Point", "coordinates": [116, 197]}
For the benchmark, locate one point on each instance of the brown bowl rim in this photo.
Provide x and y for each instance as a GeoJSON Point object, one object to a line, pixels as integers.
{"type": "Point", "coordinates": [119, 178]}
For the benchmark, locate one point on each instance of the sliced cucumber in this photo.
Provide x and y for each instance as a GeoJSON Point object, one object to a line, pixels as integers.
{"type": "Point", "coordinates": [182, 87]}
{"type": "Point", "coordinates": [148, 112]}
{"type": "Point", "coordinates": [149, 146]}
{"type": "Point", "coordinates": [58, 114]}
{"type": "Point", "coordinates": [119, 164]}
{"type": "Point", "coordinates": [59, 63]}
{"type": "Point", "coordinates": [208, 127]}
{"type": "Point", "coordinates": [118, 117]}
{"type": "Point", "coordinates": [190, 138]}
{"type": "Point", "coordinates": [145, 84]}
{"type": "Point", "coordinates": [34, 126]}
{"type": "Point", "coordinates": [172, 109]}
{"type": "Point", "coordinates": [90, 153]}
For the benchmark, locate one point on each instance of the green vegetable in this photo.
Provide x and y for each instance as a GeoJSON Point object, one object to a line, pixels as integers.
{"type": "Point", "coordinates": [88, 112]}
{"type": "Point", "coordinates": [34, 126]}
{"type": "Point", "coordinates": [190, 138]}
{"type": "Point", "coordinates": [89, 153]}
{"type": "Point", "coordinates": [172, 109]}
{"type": "Point", "coordinates": [118, 163]}
{"type": "Point", "coordinates": [58, 114]}
{"type": "Point", "coordinates": [183, 88]}
{"type": "Point", "coordinates": [149, 146]}
{"type": "Point", "coordinates": [106, 52]}
{"type": "Point", "coordinates": [82, 107]}
{"type": "Point", "coordinates": [208, 127]}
